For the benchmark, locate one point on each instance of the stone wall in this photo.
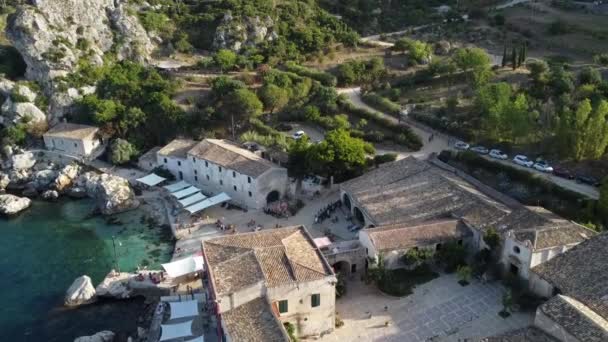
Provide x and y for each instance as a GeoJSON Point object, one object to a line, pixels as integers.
{"type": "Point", "coordinates": [552, 328]}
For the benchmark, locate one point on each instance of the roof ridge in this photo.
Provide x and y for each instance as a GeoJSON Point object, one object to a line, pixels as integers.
{"type": "Point", "coordinates": [398, 226]}
{"type": "Point", "coordinates": [227, 144]}
{"type": "Point", "coordinates": [248, 250]}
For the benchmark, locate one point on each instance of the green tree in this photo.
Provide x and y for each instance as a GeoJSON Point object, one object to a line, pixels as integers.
{"type": "Point", "coordinates": [504, 56]}
{"type": "Point", "coordinates": [590, 75]}
{"type": "Point", "coordinates": [339, 155]}
{"type": "Point", "coordinates": [299, 164]}
{"type": "Point", "coordinates": [514, 58]}
{"type": "Point", "coordinates": [402, 44]}
{"type": "Point", "coordinates": [471, 58]}
{"type": "Point", "coordinates": [121, 152]}
{"type": "Point", "coordinates": [225, 59]}
{"type": "Point", "coordinates": [420, 51]}
{"type": "Point", "coordinates": [274, 97]}
{"type": "Point", "coordinates": [464, 273]}
{"type": "Point", "coordinates": [243, 103]}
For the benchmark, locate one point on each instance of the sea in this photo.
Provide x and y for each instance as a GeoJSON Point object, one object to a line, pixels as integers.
{"type": "Point", "coordinates": [47, 246]}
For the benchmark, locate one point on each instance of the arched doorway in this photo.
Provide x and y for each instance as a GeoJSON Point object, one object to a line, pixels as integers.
{"type": "Point", "coordinates": [273, 196]}
{"type": "Point", "coordinates": [359, 216]}
{"type": "Point", "coordinates": [342, 267]}
{"type": "Point", "coordinates": [346, 201]}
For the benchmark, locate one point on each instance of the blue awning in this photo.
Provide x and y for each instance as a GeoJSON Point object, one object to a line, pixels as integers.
{"type": "Point", "coordinates": [223, 197]}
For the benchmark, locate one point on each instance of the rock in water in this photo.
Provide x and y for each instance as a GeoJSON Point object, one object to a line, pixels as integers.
{"type": "Point", "coordinates": [23, 161]}
{"type": "Point", "coordinates": [4, 180]}
{"type": "Point", "coordinates": [50, 195]}
{"type": "Point", "coordinates": [115, 285]}
{"type": "Point", "coordinates": [11, 204]}
{"type": "Point", "coordinates": [66, 176]}
{"type": "Point", "coordinates": [113, 193]}
{"type": "Point", "coordinates": [102, 336]}
{"type": "Point", "coordinates": [80, 292]}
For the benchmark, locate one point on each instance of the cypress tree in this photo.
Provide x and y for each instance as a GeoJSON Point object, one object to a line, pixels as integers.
{"type": "Point", "coordinates": [524, 53]}
{"type": "Point", "coordinates": [504, 56]}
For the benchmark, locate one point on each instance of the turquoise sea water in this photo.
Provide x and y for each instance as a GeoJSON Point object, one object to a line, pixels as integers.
{"type": "Point", "coordinates": [44, 249]}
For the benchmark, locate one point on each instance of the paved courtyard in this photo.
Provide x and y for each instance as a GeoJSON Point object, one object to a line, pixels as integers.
{"type": "Point", "coordinates": [440, 310]}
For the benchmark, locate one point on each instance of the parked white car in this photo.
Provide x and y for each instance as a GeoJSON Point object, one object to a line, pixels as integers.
{"type": "Point", "coordinates": [480, 149]}
{"type": "Point", "coordinates": [522, 160]}
{"type": "Point", "coordinates": [543, 166]}
{"type": "Point", "coordinates": [498, 154]}
{"type": "Point", "coordinates": [461, 145]}
{"type": "Point", "coordinates": [297, 135]}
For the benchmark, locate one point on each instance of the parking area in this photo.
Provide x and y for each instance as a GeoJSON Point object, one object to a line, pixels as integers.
{"type": "Point", "coordinates": [440, 310]}
{"type": "Point", "coordinates": [315, 134]}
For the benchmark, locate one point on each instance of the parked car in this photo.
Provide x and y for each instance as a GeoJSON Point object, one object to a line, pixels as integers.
{"type": "Point", "coordinates": [522, 160]}
{"type": "Point", "coordinates": [561, 172]}
{"type": "Point", "coordinates": [498, 154]}
{"type": "Point", "coordinates": [543, 166]}
{"type": "Point", "coordinates": [587, 180]}
{"type": "Point", "coordinates": [461, 145]}
{"type": "Point", "coordinates": [480, 149]}
{"type": "Point", "coordinates": [297, 135]}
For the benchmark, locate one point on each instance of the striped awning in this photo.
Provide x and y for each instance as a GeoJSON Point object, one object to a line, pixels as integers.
{"type": "Point", "coordinates": [185, 192]}
{"type": "Point", "coordinates": [209, 202]}
{"type": "Point", "coordinates": [176, 186]}
{"type": "Point", "coordinates": [197, 197]}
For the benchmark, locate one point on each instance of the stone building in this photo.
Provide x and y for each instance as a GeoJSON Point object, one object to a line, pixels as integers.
{"type": "Point", "coordinates": [73, 139]}
{"type": "Point", "coordinates": [217, 166]}
{"type": "Point", "coordinates": [260, 281]}
{"type": "Point", "coordinates": [391, 242]}
{"type": "Point", "coordinates": [147, 161]}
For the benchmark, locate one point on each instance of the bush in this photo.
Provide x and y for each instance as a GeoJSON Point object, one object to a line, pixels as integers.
{"type": "Point", "coordinates": [385, 158]}
{"type": "Point", "coordinates": [452, 255]}
{"type": "Point", "coordinates": [382, 104]}
{"type": "Point", "coordinates": [15, 134]}
{"type": "Point", "coordinates": [601, 59]}
{"type": "Point", "coordinates": [325, 78]}
{"type": "Point", "coordinates": [121, 152]}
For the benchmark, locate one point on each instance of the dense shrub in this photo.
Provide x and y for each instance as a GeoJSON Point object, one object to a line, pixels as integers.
{"type": "Point", "coordinates": [325, 78]}
{"type": "Point", "coordinates": [382, 104]}
{"type": "Point", "coordinates": [361, 72]}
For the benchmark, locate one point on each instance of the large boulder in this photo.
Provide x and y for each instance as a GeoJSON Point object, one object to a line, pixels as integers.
{"type": "Point", "coordinates": [51, 34]}
{"type": "Point", "coordinates": [11, 204]}
{"type": "Point", "coordinates": [17, 178]}
{"type": "Point", "coordinates": [50, 195]}
{"type": "Point", "coordinates": [15, 112]}
{"type": "Point", "coordinates": [23, 161]}
{"type": "Point", "coordinates": [115, 285]}
{"type": "Point", "coordinates": [44, 178]}
{"type": "Point", "coordinates": [80, 292]}
{"type": "Point", "coordinates": [113, 193]}
{"type": "Point", "coordinates": [66, 176]}
{"type": "Point", "coordinates": [102, 336]}
{"type": "Point", "coordinates": [235, 33]}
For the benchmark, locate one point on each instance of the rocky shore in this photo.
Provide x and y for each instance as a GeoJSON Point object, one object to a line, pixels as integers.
{"type": "Point", "coordinates": [32, 176]}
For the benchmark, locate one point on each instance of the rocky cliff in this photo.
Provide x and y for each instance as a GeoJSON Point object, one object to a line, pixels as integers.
{"type": "Point", "coordinates": [53, 35]}
{"type": "Point", "coordinates": [235, 33]}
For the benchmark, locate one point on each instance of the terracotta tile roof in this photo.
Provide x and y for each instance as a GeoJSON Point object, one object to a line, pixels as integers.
{"type": "Point", "coordinates": [581, 273]}
{"type": "Point", "coordinates": [177, 148]}
{"type": "Point", "coordinates": [410, 190]}
{"type": "Point", "coordinates": [150, 156]}
{"type": "Point", "coordinates": [72, 131]}
{"type": "Point", "coordinates": [276, 257]}
{"type": "Point", "coordinates": [576, 318]}
{"type": "Point", "coordinates": [231, 156]}
{"type": "Point", "coordinates": [528, 334]}
{"type": "Point", "coordinates": [400, 236]}
{"type": "Point", "coordinates": [254, 322]}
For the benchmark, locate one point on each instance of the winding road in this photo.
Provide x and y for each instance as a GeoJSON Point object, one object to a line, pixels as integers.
{"type": "Point", "coordinates": [440, 143]}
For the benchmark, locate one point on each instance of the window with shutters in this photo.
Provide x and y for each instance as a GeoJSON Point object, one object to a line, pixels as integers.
{"type": "Point", "coordinates": [315, 300]}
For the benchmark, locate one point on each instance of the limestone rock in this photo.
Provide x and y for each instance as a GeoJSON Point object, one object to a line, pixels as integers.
{"type": "Point", "coordinates": [77, 192]}
{"type": "Point", "coordinates": [236, 33]}
{"type": "Point", "coordinates": [66, 176]}
{"type": "Point", "coordinates": [102, 336]}
{"type": "Point", "coordinates": [113, 193]}
{"type": "Point", "coordinates": [23, 161]}
{"type": "Point", "coordinates": [6, 86]}
{"type": "Point", "coordinates": [11, 205]}
{"type": "Point", "coordinates": [442, 47]}
{"type": "Point", "coordinates": [115, 285]}
{"type": "Point", "coordinates": [44, 178]}
{"type": "Point", "coordinates": [80, 292]}
{"type": "Point", "coordinates": [52, 35]}
{"type": "Point", "coordinates": [50, 195]}
{"type": "Point", "coordinates": [4, 180]}
{"type": "Point", "coordinates": [30, 190]}
{"type": "Point", "coordinates": [18, 177]}
{"type": "Point", "coordinates": [25, 92]}
{"type": "Point", "coordinates": [15, 112]}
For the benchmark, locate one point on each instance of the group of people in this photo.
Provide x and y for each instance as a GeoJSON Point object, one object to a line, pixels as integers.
{"type": "Point", "coordinates": [277, 209]}
{"type": "Point", "coordinates": [154, 277]}
{"type": "Point", "coordinates": [325, 213]}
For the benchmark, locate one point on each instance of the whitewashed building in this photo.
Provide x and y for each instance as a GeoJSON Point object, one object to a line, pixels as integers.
{"type": "Point", "coordinates": [267, 279]}
{"type": "Point", "coordinates": [216, 166]}
{"type": "Point", "coordinates": [73, 139]}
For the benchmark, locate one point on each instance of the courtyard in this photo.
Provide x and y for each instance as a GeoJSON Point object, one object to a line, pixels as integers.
{"type": "Point", "coordinates": [440, 310]}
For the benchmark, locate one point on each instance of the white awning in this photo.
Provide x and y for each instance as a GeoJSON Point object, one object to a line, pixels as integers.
{"type": "Point", "coordinates": [192, 199]}
{"type": "Point", "coordinates": [184, 266]}
{"type": "Point", "coordinates": [183, 309]}
{"type": "Point", "coordinates": [151, 179]}
{"type": "Point", "coordinates": [197, 339]}
{"type": "Point", "coordinates": [176, 186]}
{"type": "Point", "coordinates": [171, 331]}
{"type": "Point", "coordinates": [186, 192]}
{"type": "Point", "coordinates": [322, 242]}
{"type": "Point", "coordinates": [209, 202]}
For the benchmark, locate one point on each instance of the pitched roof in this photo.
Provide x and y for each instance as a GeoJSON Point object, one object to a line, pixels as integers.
{"type": "Point", "coordinates": [576, 318]}
{"type": "Point", "coordinates": [231, 156]}
{"type": "Point", "coordinates": [177, 148]}
{"type": "Point", "coordinates": [552, 236]}
{"type": "Point", "coordinates": [72, 131]}
{"type": "Point", "coordinates": [254, 322]}
{"type": "Point", "coordinates": [410, 190]}
{"type": "Point", "coordinates": [581, 273]}
{"type": "Point", "coordinates": [528, 334]}
{"type": "Point", "coordinates": [275, 257]}
{"type": "Point", "coordinates": [400, 236]}
{"type": "Point", "coordinates": [150, 156]}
